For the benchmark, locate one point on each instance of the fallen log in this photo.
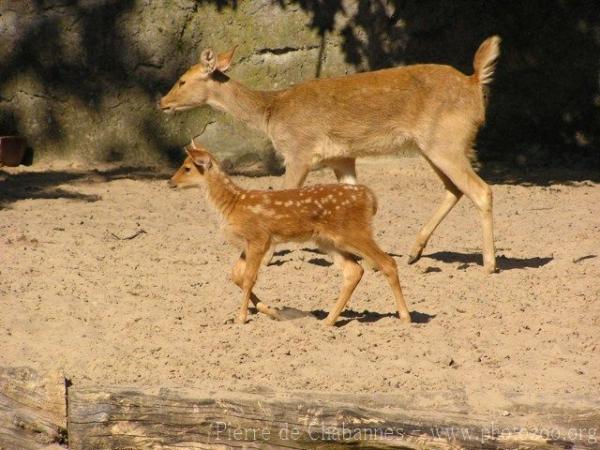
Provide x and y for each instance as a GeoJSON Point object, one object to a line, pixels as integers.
{"type": "Point", "coordinates": [32, 409]}
{"type": "Point", "coordinates": [101, 418]}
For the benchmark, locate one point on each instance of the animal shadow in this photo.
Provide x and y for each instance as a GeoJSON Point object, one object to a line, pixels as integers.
{"type": "Point", "coordinates": [320, 262]}
{"type": "Point", "coordinates": [313, 250]}
{"type": "Point", "coordinates": [503, 262]}
{"type": "Point", "coordinates": [366, 316]}
{"type": "Point", "coordinates": [583, 258]}
{"type": "Point", "coordinates": [278, 262]}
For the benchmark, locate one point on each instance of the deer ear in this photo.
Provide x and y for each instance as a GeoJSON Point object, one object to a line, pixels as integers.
{"type": "Point", "coordinates": [201, 160]}
{"type": "Point", "coordinates": [225, 59]}
{"type": "Point", "coordinates": [208, 60]}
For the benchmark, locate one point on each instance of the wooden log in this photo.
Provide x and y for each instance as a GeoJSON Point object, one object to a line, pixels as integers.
{"type": "Point", "coordinates": [32, 409]}
{"type": "Point", "coordinates": [101, 418]}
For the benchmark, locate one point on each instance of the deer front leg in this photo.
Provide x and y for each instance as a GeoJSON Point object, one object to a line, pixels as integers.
{"type": "Point", "coordinates": [237, 275]}
{"type": "Point", "coordinates": [295, 173]}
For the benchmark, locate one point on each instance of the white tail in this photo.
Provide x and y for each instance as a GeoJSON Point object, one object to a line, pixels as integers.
{"type": "Point", "coordinates": [332, 121]}
{"type": "Point", "coordinates": [485, 59]}
{"type": "Point", "coordinates": [336, 216]}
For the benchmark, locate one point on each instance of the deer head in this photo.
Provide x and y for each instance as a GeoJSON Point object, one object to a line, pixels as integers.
{"type": "Point", "coordinates": [194, 86]}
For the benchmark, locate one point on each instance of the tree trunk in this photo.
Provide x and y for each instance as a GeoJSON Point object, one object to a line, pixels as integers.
{"type": "Point", "coordinates": [32, 409]}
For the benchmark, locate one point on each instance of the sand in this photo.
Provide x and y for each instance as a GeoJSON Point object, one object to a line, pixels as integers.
{"type": "Point", "coordinates": [84, 291]}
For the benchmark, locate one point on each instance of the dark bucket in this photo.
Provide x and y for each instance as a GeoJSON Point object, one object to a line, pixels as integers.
{"type": "Point", "coordinates": [12, 150]}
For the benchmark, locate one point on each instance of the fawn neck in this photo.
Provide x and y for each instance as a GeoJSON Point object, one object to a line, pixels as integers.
{"type": "Point", "coordinates": [221, 192]}
{"type": "Point", "coordinates": [244, 104]}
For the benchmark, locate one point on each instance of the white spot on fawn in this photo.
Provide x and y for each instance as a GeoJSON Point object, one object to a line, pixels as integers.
{"type": "Point", "coordinates": [258, 209]}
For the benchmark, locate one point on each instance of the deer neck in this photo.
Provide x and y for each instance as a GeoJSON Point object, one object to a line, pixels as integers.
{"type": "Point", "coordinates": [221, 192]}
{"type": "Point", "coordinates": [244, 104]}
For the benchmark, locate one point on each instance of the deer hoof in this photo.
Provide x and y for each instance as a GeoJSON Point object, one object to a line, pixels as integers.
{"type": "Point", "coordinates": [414, 258]}
{"type": "Point", "coordinates": [405, 319]}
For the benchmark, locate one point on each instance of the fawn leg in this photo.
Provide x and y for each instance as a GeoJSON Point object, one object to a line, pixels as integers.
{"type": "Point", "coordinates": [352, 273]}
{"type": "Point", "coordinates": [369, 249]}
{"type": "Point", "coordinates": [237, 275]}
{"type": "Point", "coordinates": [255, 251]}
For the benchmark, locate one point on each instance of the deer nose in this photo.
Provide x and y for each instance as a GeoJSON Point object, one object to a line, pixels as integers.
{"type": "Point", "coordinates": [171, 184]}
{"type": "Point", "coordinates": [162, 104]}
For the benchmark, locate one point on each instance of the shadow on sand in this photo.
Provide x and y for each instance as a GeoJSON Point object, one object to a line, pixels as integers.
{"type": "Point", "coordinates": [350, 315]}
{"type": "Point", "coordinates": [503, 262]}
{"type": "Point", "coordinates": [55, 184]}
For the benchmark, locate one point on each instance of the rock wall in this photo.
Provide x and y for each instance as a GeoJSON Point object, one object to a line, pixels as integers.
{"type": "Point", "coordinates": [80, 78]}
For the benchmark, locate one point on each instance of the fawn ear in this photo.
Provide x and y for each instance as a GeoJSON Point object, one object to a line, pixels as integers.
{"type": "Point", "coordinates": [208, 60]}
{"type": "Point", "coordinates": [224, 59]}
{"type": "Point", "coordinates": [201, 160]}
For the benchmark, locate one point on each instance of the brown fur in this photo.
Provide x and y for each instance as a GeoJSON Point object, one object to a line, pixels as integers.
{"type": "Point", "coordinates": [433, 108]}
{"type": "Point", "coordinates": [337, 217]}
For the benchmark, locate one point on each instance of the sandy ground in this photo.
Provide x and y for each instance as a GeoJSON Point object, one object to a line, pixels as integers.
{"type": "Point", "coordinates": [156, 309]}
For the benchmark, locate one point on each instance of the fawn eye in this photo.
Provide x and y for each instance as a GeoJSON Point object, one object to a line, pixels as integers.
{"type": "Point", "coordinates": [181, 83]}
{"type": "Point", "coordinates": [187, 169]}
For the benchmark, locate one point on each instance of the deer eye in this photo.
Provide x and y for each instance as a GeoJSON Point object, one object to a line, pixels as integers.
{"type": "Point", "coordinates": [187, 169]}
{"type": "Point", "coordinates": [182, 82]}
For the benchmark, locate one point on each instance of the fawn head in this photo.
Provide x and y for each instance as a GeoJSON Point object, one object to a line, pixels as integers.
{"type": "Point", "coordinates": [197, 163]}
{"type": "Point", "coordinates": [193, 87]}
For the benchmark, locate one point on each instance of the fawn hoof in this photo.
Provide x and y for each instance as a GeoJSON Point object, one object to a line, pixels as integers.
{"type": "Point", "coordinates": [241, 319]}
{"type": "Point", "coordinates": [491, 268]}
{"type": "Point", "coordinates": [329, 322]}
{"type": "Point", "coordinates": [489, 264]}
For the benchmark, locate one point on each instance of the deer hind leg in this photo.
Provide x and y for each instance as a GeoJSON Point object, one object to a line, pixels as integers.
{"type": "Point", "coordinates": [451, 198]}
{"type": "Point", "coordinates": [255, 251]}
{"type": "Point", "coordinates": [296, 172]}
{"type": "Point", "coordinates": [268, 256]}
{"type": "Point", "coordinates": [352, 273]}
{"type": "Point", "coordinates": [368, 249]}
{"type": "Point", "coordinates": [237, 275]}
{"type": "Point", "coordinates": [344, 169]}
{"type": "Point", "coordinates": [458, 169]}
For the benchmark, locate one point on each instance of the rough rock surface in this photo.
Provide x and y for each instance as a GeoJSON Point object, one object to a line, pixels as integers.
{"type": "Point", "coordinates": [84, 76]}
{"type": "Point", "coordinates": [80, 78]}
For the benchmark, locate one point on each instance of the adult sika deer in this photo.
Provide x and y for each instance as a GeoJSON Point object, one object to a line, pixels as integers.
{"type": "Point", "coordinates": [335, 216]}
{"type": "Point", "coordinates": [430, 107]}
